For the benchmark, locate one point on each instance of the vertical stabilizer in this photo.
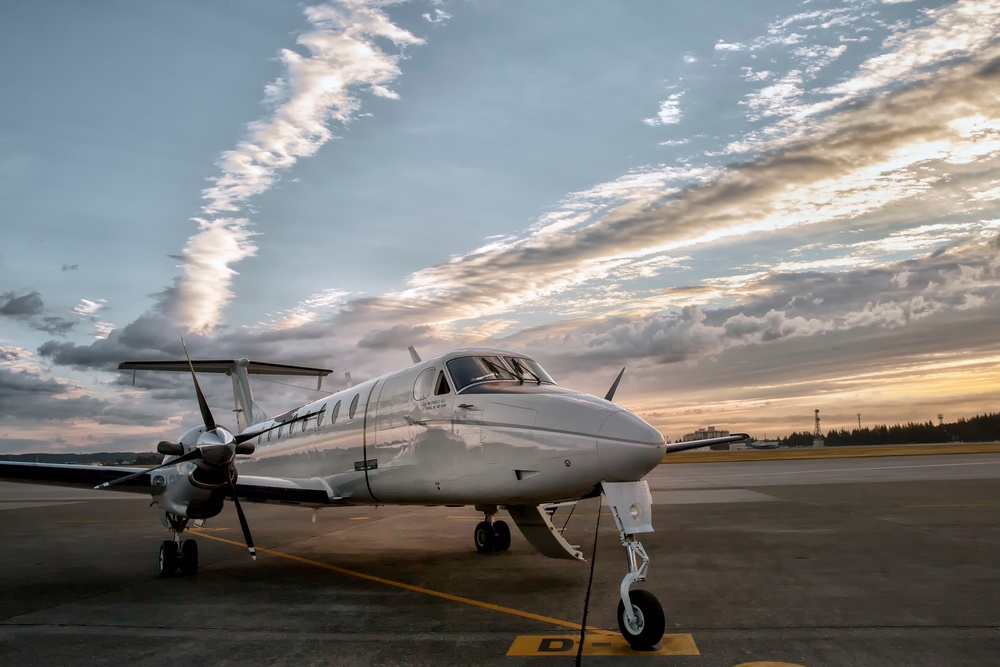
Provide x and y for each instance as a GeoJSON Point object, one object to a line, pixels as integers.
{"type": "Point", "coordinates": [247, 412]}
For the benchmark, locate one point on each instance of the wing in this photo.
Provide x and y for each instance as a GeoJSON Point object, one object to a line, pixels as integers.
{"type": "Point", "coordinates": [311, 492]}
{"type": "Point", "coordinates": [80, 476]}
{"type": "Point", "coordinates": [695, 444]}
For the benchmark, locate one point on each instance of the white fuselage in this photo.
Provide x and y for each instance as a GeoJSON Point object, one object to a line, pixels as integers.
{"type": "Point", "coordinates": [410, 437]}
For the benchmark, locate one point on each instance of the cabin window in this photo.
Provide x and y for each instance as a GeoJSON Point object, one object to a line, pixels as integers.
{"type": "Point", "coordinates": [470, 370]}
{"type": "Point", "coordinates": [280, 429]}
{"type": "Point", "coordinates": [336, 412]}
{"type": "Point", "coordinates": [424, 384]}
{"type": "Point", "coordinates": [354, 406]}
{"type": "Point", "coordinates": [320, 416]}
{"type": "Point", "coordinates": [442, 385]}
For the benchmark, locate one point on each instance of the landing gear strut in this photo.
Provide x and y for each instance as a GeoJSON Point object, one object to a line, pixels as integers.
{"type": "Point", "coordinates": [640, 616]}
{"type": "Point", "coordinates": [491, 534]}
{"type": "Point", "coordinates": [176, 554]}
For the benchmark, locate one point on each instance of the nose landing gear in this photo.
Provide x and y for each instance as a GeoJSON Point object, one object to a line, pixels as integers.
{"type": "Point", "coordinates": [640, 616]}
{"type": "Point", "coordinates": [491, 534]}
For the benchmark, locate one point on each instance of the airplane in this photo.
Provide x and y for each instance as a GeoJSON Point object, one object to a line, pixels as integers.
{"type": "Point", "coordinates": [477, 426]}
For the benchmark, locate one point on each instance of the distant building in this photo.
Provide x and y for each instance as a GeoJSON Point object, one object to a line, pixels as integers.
{"type": "Point", "coordinates": [705, 434]}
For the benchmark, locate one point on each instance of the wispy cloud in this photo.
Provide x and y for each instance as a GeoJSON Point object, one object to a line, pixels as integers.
{"type": "Point", "coordinates": [669, 113]}
{"type": "Point", "coordinates": [318, 88]}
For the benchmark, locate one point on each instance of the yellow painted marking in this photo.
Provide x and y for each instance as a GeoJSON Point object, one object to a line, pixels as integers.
{"type": "Point", "coordinates": [536, 645]}
{"type": "Point", "coordinates": [102, 521]}
{"type": "Point", "coordinates": [768, 664]}
{"type": "Point", "coordinates": [474, 517]}
{"type": "Point", "coordinates": [956, 505]}
{"type": "Point", "coordinates": [417, 589]}
{"type": "Point", "coordinates": [196, 529]}
{"type": "Point", "coordinates": [359, 518]}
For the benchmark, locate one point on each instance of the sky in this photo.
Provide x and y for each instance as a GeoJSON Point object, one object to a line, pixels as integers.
{"type": "Point", "coordinates": [758, 209]}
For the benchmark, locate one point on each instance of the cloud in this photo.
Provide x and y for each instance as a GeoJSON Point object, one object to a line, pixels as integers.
{"type": "Point", "coordinates": [26, 305]}
{"type": "Point", "coordinates": [29, 308]}
{"type": "Point", "coordinates": [860, 162]}
{"type": "Point", "coordinates": [323, 86]}
{"type": "Point", "coordinates": [670, 111]}
{"type": "Point", "coordinates": [958, 30]}
{"type": "Point", "coordinates": [439, 16]}
{"type": "Point", "coordinates": [86, 307]}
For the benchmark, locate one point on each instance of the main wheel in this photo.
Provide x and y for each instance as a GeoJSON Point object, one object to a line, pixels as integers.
{"type": "Point", "coordinates": [189, 558]}
{"type": "Point", "coordinates": [647, 631]}
{"type": "Point", "coordinates": [502, 533]}
{"type": "Point", "coordinates": [168, 558]}
{"type": "Point", "coordinates": [485, 537]}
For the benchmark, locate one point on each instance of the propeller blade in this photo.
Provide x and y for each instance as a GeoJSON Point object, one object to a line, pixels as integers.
{"type": "Point", "coordinates": [243, 520]}
{"type": "Point", "coordinates": [206, 412]}
{"type": "Point", "coordinates": [193, 454]}
{"type": "Point", "coordinates": [611, 392]}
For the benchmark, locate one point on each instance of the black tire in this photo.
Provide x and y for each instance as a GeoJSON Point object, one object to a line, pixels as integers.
{"type": "Point", "coordinates": [168, 558]}
{"type": "Point", "coordinates": [650, 623]}
{"type": "Point", "coordinates": [502, 533]}
{"type": "Point", "coordinates": [485, 537]}
{"type": "Point", "coordinates": [189, 558]}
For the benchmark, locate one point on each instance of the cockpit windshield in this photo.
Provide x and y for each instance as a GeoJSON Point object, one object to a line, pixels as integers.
{"type": "Point", "coordinates": [469, 370]}
{"type": "Point", "coordinates": [529, 370]}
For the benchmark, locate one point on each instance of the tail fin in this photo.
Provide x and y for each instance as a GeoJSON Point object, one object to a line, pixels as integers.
{"type": "Point", "coordinates": [247, 412]}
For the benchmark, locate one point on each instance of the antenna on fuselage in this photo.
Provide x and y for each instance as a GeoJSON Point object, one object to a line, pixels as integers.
{"type": "Point", "coordinates": [348, 377]}
{"type": "Point", "coordinates": [414, 355]}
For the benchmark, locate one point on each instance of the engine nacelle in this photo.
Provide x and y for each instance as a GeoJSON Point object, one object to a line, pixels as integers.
{"type": "Point", "coordinates": [177, 490]}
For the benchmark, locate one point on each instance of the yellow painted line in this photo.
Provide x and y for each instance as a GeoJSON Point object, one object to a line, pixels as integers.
{"type": "Point", "coordinates": [102, 520]}
{"type": "Point", "coordinates": [417, 589]}
{"type": "Point", "coordinates": [830, 452]}
{"type": "Point", "coordinates": [359, 518]}
{"type": "Point", "coordinates": [955, 505]}
{"type": "Point", "coordinates": [472, 517]}
{"type": "Point", "coordinates": [536, 645]}
{"type": "Point", "coordinates": [195, 529]}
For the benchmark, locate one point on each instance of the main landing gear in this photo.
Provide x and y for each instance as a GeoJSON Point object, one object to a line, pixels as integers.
{"type": "Point", "coordinates": [491, 534]}
{"type": "Point", "coordinates": [176, 554]}
{"type": "Point", "coordinates": [640, 616]}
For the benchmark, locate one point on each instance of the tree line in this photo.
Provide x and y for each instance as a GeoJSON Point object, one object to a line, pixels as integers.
{"type": "Point", "coordinates": [981, 428]}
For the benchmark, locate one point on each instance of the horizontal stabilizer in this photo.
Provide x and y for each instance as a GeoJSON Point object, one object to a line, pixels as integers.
{"type": "Point", "coordinates": [223, 366]}
{"type": "Point", "coordinates": [536, 526]}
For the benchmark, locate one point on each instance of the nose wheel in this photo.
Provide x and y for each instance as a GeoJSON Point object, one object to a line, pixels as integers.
{"type": "Point", "coordinates": [491, 534]}
{"type": "Point", "coordinates": [175, 554]}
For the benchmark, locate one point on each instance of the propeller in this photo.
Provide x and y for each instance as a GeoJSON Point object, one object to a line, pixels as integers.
{"type": "Point", "coordinates": [215, 448]}
{"type": "Point", "coordinates": [611, 392]}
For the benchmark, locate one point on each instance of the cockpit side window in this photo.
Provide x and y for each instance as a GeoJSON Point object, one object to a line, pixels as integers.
{"type": "Point", "coordinates": [424, 384]}
{"type": "Point", "coordinates": [469, 370]}
{"type": "Point", "coordinates": [442, 387]}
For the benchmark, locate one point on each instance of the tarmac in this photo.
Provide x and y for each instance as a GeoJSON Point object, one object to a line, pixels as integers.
{"type": "Point", "coordinates": [809, 562]}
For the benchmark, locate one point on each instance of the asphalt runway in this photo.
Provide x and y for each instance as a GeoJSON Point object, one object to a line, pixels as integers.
{"type": "Point", "coordinates": [817, 562]}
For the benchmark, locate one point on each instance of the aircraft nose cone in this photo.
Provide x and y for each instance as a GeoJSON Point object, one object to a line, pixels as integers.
{"type": "Point", "coordinates": [628, 447]}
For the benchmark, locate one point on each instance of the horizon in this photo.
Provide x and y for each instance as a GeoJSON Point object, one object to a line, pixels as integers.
{"type": "Point", "coordinates": [758, 212]}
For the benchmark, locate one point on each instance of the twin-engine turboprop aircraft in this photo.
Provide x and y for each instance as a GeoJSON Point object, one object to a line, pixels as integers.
{"type": "Point", "coordinates": [481, 427]}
